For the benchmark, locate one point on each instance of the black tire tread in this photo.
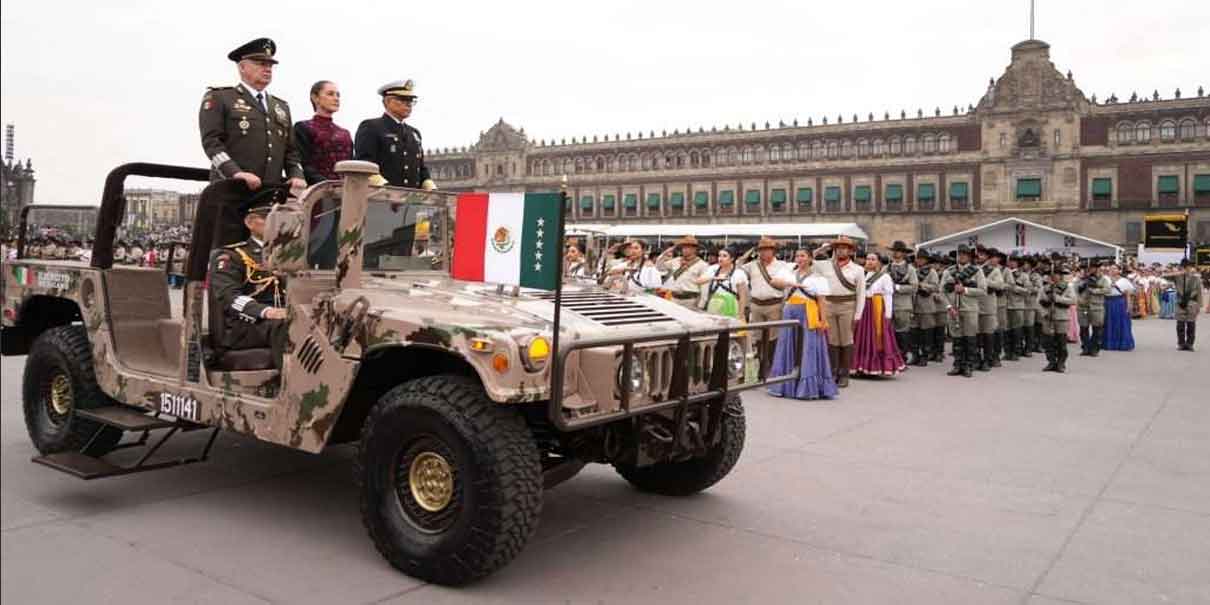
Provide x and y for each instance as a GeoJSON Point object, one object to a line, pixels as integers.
{"type": "Point", "coordinates": [504, 442]}
{"type": "Point", "coordinates": [692, 476]}
{"type": "Point", "coordinates": [70, 342]}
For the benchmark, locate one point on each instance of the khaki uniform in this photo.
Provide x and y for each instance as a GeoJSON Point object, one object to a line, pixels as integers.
{"type": "Point", "coordinates": [964, 327]}
{"type": "Point", "coordinates": [1039, 281]}
{"type": "Point", "coordinates": [988, 306]}
{"type": "Point", "coordinates": [928, 284]}
{"type": "Point", "coordinates": [847, 287]}
{"type": "Point", "coordinates": [1055, 300]}
{"type": "Point", "coordinates": [681, 280]}
{"type": "Point", "coordinates": [764, 301]}
{"type": "Point", "coordinates": [1188, 303]}
{"type": "Point", "coordinates": [906, 281]}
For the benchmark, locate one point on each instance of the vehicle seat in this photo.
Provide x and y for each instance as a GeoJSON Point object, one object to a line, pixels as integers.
{"type": "Point", "coordinates": [240, 360]}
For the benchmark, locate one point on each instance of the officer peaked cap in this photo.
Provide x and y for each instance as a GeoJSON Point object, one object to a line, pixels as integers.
{"type": "Point", "coordinates": [399, 88]}
{"type": "Point", "coordinates": [260, 49]}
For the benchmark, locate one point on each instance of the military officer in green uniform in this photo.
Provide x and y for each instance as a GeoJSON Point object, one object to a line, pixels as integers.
{"type": "Point", "coordinates": [1091, 309]}
{"type": "Point", "coordinates": [1188, 303]}
{"type": "Point", "coordinates": [247, 133]}
{"type": "Point", "coordinates": [965, 287]}
{"type": "Point", "coordinates": [1058, 293]}
{"type": "Point", "coordinates": [392, 143]}
{"type": "Point", "coordinates": [250, 299]}
{"type": "Point", "coordinates": [988, 307]}
{"type": "Point", "coordinates": [905, 280]}
{"type": "Point", "coordinates": [928, 285]}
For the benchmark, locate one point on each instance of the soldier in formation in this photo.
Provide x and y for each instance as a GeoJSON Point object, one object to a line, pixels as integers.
{"type": "Point", "coordinates": [906, 282]}
{"type": "Point", "coordinates": [925, 344]}
{"type": "Point", "coordinates": [1188, 303]}
{"type": "Point", "coordinates": [845, 301]}
{"type": "Point", "coordinates": [1091, 309]}
{"type": "Point", "coordinates": [965, 288]}
{"type": "Point", "coordinates": [988, 310]}
{"type": "Point", "coordinates": [1058, 293]}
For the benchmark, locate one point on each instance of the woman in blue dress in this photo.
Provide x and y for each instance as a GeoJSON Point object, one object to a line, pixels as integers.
{"type": "Point", "coordinates": [805, 303]}
{"type": "Point", "coordinates": [1119, 335]}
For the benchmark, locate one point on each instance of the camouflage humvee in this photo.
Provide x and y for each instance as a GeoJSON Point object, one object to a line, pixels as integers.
{"type": "Point", "coordinates": [463, 410]}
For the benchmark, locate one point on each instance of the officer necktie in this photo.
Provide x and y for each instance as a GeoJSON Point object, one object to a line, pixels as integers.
{"type": "Point", "coordinates": [260, 100]}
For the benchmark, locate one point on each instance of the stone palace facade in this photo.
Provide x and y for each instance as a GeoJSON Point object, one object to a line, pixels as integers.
{"type": "Point", "coordinates": [1034, 147]}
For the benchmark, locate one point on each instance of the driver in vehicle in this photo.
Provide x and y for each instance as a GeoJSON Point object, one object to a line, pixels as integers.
{"type": "Point", "coordinates": [250, 298]}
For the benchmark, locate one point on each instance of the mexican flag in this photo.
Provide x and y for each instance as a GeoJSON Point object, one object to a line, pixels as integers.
{"type": "Point", "coordinates": [508, 238]}
{"type": "Point", "coordinates": [24, 276]}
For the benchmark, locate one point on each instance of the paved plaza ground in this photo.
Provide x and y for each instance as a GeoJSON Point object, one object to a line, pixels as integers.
{"type": "Point", "coordinates": [1012, 487]}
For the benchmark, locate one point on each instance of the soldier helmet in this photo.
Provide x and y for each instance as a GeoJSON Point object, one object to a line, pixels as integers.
{"type": "Point", "coordinates": [260, 49]}
{"type": "Point", "coordinates": [398, 88]}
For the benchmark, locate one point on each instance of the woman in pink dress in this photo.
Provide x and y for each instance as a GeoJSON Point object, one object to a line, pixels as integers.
{"type": "Point", "coordinates": [874, 350]}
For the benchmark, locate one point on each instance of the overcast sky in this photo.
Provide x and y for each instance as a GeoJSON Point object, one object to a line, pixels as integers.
{"type": "Point", "coordinates": [91, 85]}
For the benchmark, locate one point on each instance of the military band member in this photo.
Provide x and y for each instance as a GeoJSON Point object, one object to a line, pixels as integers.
{"type": "Point", "coordinates": [1018, 288]}
{"type": "Point", "coordinates": [684, 272]}
{"type": "Point", "coordinates": [988, 308]}
{"type": "Point", "coordinates": [905, 280]}
{"type": "Point", "coordinates": [965, 288]}
{"type": "Point", "coordinates": [928, 285]}
{"type": "Point", "coordinates": [1091, 309]}
{"type": "Point", "coordinates": [1188, 303]}
{"type": "Point", "coordinates": [1058, 294]}
{"type": "Point", "coordinates": [1039, 281]}
{"type": "Point", "coordinates": [941, 316]}
{"type": "Point", "coordinates": [846, 283]}
{"type": "Point", "coordinates": [249, 297]}
{"type": "Point", "coordinates": [391, 143]}
{"type": "Point", "coordinates": [247, 133]}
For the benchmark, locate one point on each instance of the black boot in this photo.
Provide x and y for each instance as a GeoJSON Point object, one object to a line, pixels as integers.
{"type": "Point", "coordinates": [905, 351]}
{"type": "Point", "coordinates": [1085, 341]}
{"type": "Point", "coordinates": [919, 347]}
{"type": "Point", "coordinates": [970, 352]}
{"type": "Point", "coordinates": [937, 344]}
{"type": "Point", "coordinates": [996, 341]}
{"type": "Point", "coordinates": [983, 353]}
{"type": "Point", "coordinates": [1190, 333]}
{"type": "Point", "coordinates": [1010, 345]}
{"type": "Point", "coordinates": [1061, 353]}
{"type": "Point", "coordinates": [1038, 345]}
{"type": "Point", "coordinates": [846, 358]}
{"type": "Point", "coordinates": [1094, 343]}
{"type": "Point", "coordinates": [959, 344]}
{"type": "Point", "coordinates": [1025, 341]}
{"type": "Point", "coordinates": [834, 359]}
{"type": "Point", "coordinates": [1052, 361]}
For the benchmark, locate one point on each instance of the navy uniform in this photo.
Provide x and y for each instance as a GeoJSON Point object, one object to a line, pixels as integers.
{"type": "Point", "coordinates": [1058, 293]}
{"type": "Point", "coordinates": [241, 133]}
{"type": "Point", "coordinates": [395, 146]}
{"type": "Point", "coordinates": [242, 290]}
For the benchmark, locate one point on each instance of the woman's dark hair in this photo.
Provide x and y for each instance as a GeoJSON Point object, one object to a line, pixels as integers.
{"type": "Point", "coordinates": [315, 89]}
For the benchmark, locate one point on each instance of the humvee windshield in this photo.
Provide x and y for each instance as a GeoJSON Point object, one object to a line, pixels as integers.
{"type": "Point", "coordinates": [398, 236]}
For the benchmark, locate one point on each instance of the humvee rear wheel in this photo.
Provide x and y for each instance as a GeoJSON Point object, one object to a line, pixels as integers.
{"type": "Point", "coordinates": [697, 474]}
{"type": "Point", "coordinates": [59, 380]}
{"type": "Point", "coordinates": [450, 482]}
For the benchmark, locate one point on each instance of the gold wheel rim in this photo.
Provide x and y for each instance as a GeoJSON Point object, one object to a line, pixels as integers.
{"type": "Point", "coordinates": [432, 481]}
{"type": "Point", "coordinates": [60, 394]}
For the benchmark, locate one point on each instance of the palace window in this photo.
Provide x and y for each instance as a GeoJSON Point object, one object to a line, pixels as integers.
{"type": "Point", "coordinates": [677, 201]}
{"type": "Point", "coordinates": [579, 165]}
{"type": "Point", "coordinates": [958, 194]}
{"type": "Point", "coordinates": [734, 156]}
{"type": "Point", "coordinates": [1201, 190]}
{"type": "Point", "coordinates": [607, 204]}
{"type": "Point", "coordinates": [586, 205]}
{"type": "Point", "coordinates": [693, 159]}
{"type": "Point", "coordinates": [777, 199]}
{"type": "Point", "coordinates": [879, 147]}
{"type": "Point", "coordinates": [701, 200]}
{"type": "Point", "coordinates": [752, 199]}
{"type": "Point", "coordinates": [831, 198]}
{"type": "Point", "coordinates": [1188, 130]}
{"type": "Point", "coordinates": [928, 143]}
{"type": "Point", "coordinates": [600, 164]}
{"type": "Point", "coordinates": [943, 144]}
{"type": "Point", "coordinates": [1102, 190]}
{"type": "Point", "coordinates": [1125, 133]}
{"type": "Point", "coordinates": [1142, 132]}
{"type": "Point", "coordinates": [1058, 138]}
{"type": "Point", "coordinates": [1029, 190]}
{"type": "Point", "coordinates": [926, 195]}
{"type": "Point", "coordinates": [726, 199]}
{"type": "Point", "coordinates": [654, 202]}
{"type": "Point", "coordinates": [909, 145]}
{"type": "Point", "coordinates": [804, 152]}
{"type": "Point", "coordinates": [894, 196]}
{"type": "Point", "coordinates": [787, 152]}
{"type": "Point", "coordinates": [705, 158]}
{"type": "Point", "coordinates": [803, 197]}
{"type": "Point", "coordinates": [775, 154]}
{"type": "Point", "coordinates": [817, 150]}
{"type": "Point", "coordinates": [1168, 187]}
{"type": "Point", "coordinates": [863, 148]}
{"type": "Point", "coordinates": [630, 204]}
{"type": "Point", "coordinates": [748, 156]}
{"type": "Point", "coordinates": [833, 149]}
{"type": "Point", "coordinates": [1167, 130]}
{"type": "Point", "coordinates": [896, 146]}
{"type": "Point", "coordinates": [862, 196]}
{"type": "Point", "coordinates": [846, 148]}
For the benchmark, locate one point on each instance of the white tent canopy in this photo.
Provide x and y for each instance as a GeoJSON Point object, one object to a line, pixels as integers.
{"type": "Point", "coordinates": [1027, 237]}
{"type": "Point", "coordinates": [799, 231]}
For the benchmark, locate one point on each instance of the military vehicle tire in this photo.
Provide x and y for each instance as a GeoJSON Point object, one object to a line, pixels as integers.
{"type": "Point", "coordinates": [692, 476]}
{"type": "Point", "coordinates": [59, 379]}
{"type": "Point", "coordinates": [450, 482]}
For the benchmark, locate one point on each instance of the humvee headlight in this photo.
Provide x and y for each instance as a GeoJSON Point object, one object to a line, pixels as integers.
{"type": "Point", "coordinates": [637, 374]}
{"type": "Point", "coordinates": [535, 353]}
{"type": "Point", "coordinates": [735, 360]}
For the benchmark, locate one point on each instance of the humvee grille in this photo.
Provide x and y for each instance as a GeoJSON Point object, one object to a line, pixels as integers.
{"type": "Point", "coordinates": [609, 309]}
{"type": "Point", "coordinates": [310, 356]}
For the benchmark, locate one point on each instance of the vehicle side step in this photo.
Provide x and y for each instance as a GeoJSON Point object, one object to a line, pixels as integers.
{"type": "Point", "coordinates": [86, 467]}
{"type": "Point", "coordinates": [79, 464]}
{"type": "Point", "coordinates": [125, 418]}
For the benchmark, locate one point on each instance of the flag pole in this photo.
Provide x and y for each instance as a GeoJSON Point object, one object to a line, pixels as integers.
{"type": "Point", "coordinates": [554, 347]}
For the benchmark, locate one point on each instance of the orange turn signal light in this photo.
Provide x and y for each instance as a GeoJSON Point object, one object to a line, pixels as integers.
{"type": "Point", "coordinates": [500, 363]}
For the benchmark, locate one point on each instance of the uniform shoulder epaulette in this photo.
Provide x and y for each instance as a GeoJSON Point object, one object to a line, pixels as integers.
{"type": "Point", "coordinates": [214, 88]}
{"type": "Point", "coordinates": [279, 100]}
{"type": "Point", "coordinates": [236, 245]}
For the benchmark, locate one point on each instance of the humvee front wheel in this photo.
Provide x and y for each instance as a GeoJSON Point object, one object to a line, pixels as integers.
{"type": "Point", "coordinates": [450, 482]}
{"type": "Point", "coordinates": [697, 474]}
{"type": "Point", "coordinates": [59, 380]}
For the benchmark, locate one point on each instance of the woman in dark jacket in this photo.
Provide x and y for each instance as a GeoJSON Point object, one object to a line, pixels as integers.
{"type": "Point", "coordinates": [321, 142]}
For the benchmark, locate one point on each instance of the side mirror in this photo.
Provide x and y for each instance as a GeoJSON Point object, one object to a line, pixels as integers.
{"type": "Point", "coordinates": [286, 238]}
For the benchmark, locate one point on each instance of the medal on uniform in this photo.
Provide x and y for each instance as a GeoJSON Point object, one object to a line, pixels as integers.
{"type": "Point", "coordinates": [392, 149]}
{"type": "Point", "coordinates": [281, 113]}
{"type": "Point", "coordinates": [244, 125]}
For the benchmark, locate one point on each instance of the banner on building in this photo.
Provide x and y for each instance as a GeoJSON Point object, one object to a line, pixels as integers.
{"type": "Point", "coordinates": [1203, 256]}
{"type": "Point", "coordinates": [1166, 231]}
